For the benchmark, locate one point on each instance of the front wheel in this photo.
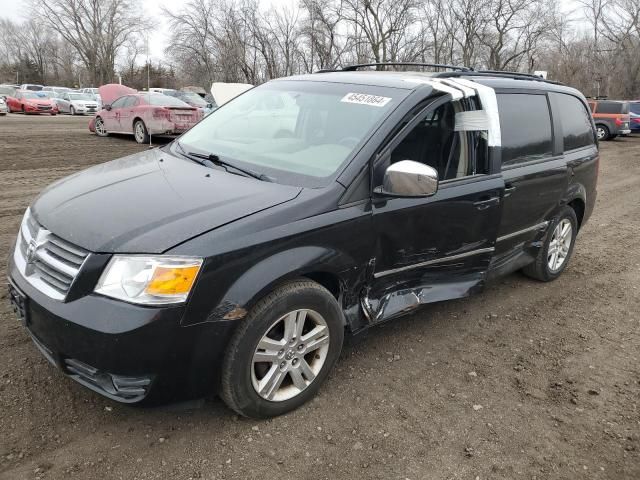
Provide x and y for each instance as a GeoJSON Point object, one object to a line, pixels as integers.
{"type": "Point", "coordinates": [283, 350]}
{"type": "Point", "coordinates": [99, 127]}
{"type": "Point", "coordinates": [140, 132]}
{"type": "Point", "coordinates": [556, 251]}
{"type": "Point", "coordinates": [72, 111]}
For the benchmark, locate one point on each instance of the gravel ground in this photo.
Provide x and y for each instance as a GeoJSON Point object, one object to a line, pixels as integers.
{"type": "Point", "coordinates": [526, 380]}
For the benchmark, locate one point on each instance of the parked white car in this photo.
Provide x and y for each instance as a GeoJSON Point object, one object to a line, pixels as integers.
{"type": "Point", "coordinates": [3, 107]}
{"type": "Point", "coordinates": [76, 103]}
{"type": "Point", "coordinates": [96, 95]}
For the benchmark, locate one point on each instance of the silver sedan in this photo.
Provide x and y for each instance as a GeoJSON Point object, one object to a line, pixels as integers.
{"type": "Point", "coordinates": [76, 103]}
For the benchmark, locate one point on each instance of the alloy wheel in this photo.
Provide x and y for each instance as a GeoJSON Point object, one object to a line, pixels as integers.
{"type": "Point", "coordinates": [601, 133]}
{"type": "Point", "coordinates": [99, 126]}
{"type": "Point", "coordinates": [560, 245]}
{"type": "Point", "coordinates": [290, 355]}
{"type": "Point", "coordinates": [139, 132]}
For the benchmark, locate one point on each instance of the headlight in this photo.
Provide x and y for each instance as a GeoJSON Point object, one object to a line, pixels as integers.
{"type": "Point", "coordinates": [149, 280]}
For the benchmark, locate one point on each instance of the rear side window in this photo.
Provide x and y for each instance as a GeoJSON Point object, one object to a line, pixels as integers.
{"type": "Point", "coordinates": [610, 107]}
{"type": "Point", "coordinates": [525, 126]}
{"type": "Point", "coordinates": [575, 120]}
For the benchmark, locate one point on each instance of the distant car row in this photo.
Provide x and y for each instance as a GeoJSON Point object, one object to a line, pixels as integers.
{"type": "Point", "coordinates": [156, 111]}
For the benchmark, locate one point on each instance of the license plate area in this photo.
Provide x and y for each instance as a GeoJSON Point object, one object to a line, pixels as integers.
{"type": "Point", "coordinates": [19, 303]}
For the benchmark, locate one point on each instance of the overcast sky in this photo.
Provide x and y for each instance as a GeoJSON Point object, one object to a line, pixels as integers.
{"type": "Point", "coordinates": [18, 9]}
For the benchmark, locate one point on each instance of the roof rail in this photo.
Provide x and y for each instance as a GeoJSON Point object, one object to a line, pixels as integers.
{"type": "Point", "coordinates": [353, 68]}
{"type": "Point", "coordinates": [497, 73]}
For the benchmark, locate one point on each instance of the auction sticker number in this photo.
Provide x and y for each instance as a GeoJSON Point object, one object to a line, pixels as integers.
{"type": "Point", "coordinates": [365, 99]}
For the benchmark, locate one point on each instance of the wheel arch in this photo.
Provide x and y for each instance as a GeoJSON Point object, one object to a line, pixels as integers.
{"type": "Point", "coordinates": [135, 119]}
{"type": "Point", "coordinates": [325, 266]}
{"type": "Point", "coordinates": [576, 198]}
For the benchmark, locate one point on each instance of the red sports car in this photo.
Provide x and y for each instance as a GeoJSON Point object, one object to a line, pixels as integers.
{"type": "Point", "coordinates": [141, 114]}
{"type": "Point", "coordinates": [30, 102]}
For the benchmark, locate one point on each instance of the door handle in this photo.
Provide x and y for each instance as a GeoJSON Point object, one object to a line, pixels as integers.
{"type": "Point", "coordinates": [486, 203]}
{"type": "Point", "coordinates": [509, 189]}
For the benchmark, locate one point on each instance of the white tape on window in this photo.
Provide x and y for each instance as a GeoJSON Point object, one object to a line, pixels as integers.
{"type": "Point", "coordinates": [455, 93]}
{"type": "Point", "coordinates": [489, 103]}
{"type": "Point", "coordinates": [471, 121]}
{"type": "Point", "coordinates": [466, 91]}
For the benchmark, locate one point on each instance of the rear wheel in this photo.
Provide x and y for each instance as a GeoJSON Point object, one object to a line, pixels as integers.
{"type": "Point", "coordinates": [602, 131]}
{"type": "Point", "coordinates": [283, 350]}
{"type": "Point", "coordinates": [98, 126]}
{"type": "Point", "coordinates": [556, 251]}
{"type": "Point", "coordinates": [140, 132]}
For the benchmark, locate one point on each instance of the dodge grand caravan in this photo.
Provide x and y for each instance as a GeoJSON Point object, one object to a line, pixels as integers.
{"type": "Point", "coordinates": [236, 258]}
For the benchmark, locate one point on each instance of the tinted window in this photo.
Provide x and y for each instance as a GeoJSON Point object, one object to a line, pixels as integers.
{"type": "Point", "coordinates": [119, 103]}
{"type": "Point", "coordinates": [635, 108]}
{"type": "Point", "coordinates": [129, 101]}
{"type": "Point", "coordinates": [435, 142]}
{"type": "Point", "coordinates": [525, 127]}
{"type": "Point", "coordinates": [610, 107]}
{"type": "Point", "coordinates": [575, 120]}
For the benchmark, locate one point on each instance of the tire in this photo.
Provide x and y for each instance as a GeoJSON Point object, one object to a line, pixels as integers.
{"type": "Point", "coordinates": [542, 268]}
{"type": "Point", "coordinates": [140, 132]}
{"type": "Point", "coordinates": [602, 132]}
{"type": "Point", "coordinates": [244, 383]}
{"type": "Point", "coordinates": [101, 132]}
{"type": "Point", "coordinates": [72, 110]}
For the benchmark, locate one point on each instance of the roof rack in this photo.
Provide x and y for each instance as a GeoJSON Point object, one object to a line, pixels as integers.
{"type": "Point", "coordinates": [455, 71]}
{"type": "Point", "coordinates": [497, 73]}
{"type": "Point", "coordinates": [353, 68]}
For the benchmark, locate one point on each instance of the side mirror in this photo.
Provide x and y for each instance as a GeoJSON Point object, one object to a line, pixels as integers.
{"type": "Point", "coordinates": [209, 105]}
{"type": "Point", "coordinates": [107, 107]}
{"type": "Point", "coordinates": [409, 179]}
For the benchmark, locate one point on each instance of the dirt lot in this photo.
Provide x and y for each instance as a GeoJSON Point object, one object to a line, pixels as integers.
{"type": "Point", "coordinates": [527, 380]}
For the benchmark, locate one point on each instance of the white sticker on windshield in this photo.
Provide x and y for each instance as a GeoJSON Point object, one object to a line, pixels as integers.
{"type": "Point", "coordinates": [365, 99]}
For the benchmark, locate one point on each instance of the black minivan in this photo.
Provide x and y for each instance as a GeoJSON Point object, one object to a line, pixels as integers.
{"type": "Point", "coordinates": [236, 258]}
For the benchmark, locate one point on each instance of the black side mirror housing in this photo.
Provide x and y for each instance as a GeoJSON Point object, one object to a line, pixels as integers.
{"type": "Point", "coordinates": [107, 107]}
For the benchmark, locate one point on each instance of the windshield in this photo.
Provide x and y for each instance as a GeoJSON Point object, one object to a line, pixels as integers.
{"type": "Point", "coordinates": [297, 132]}
{"type": "Point", "coordinates": [30, 95]}
{"type": "Point", "coordinates": [7, 91]}
{"type": "Point", "coordinates": [635, 108]}
{"type": "Point", "coordinates": [46, 94]}
{"type": "Point", "coordinates": [80, 96]}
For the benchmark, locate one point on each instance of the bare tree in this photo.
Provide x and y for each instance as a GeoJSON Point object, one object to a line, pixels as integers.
{"type": "Point", "coordinates": [96, 29]}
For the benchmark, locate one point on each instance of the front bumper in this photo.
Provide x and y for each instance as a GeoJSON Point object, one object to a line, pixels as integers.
{"type": "Point", "coordinates": [123, 351]}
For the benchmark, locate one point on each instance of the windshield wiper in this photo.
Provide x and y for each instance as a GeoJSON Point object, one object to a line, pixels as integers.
{"type": "Point", "coordinates": [210, 160]}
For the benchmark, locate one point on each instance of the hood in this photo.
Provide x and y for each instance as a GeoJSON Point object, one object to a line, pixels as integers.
{"type": "Point", "coordinates": [113, 91]}
{"type": "Point", "coordinates": [39, 101]}
{"type": "Point", "coordinates": [223, 92]}
{"type": "Point", "coordinates": [150, 202]}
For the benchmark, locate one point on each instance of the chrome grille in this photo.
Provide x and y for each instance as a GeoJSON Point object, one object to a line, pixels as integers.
{"type": "Point", "coordinates": [48, 262]}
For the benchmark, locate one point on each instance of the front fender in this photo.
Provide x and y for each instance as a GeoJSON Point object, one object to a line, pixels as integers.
{"type": "Point", "coordinates": [264, 276]}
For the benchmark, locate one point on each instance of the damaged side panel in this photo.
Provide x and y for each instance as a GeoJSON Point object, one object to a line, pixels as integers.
{"type": "Point", "coordinates": [394, 300]}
